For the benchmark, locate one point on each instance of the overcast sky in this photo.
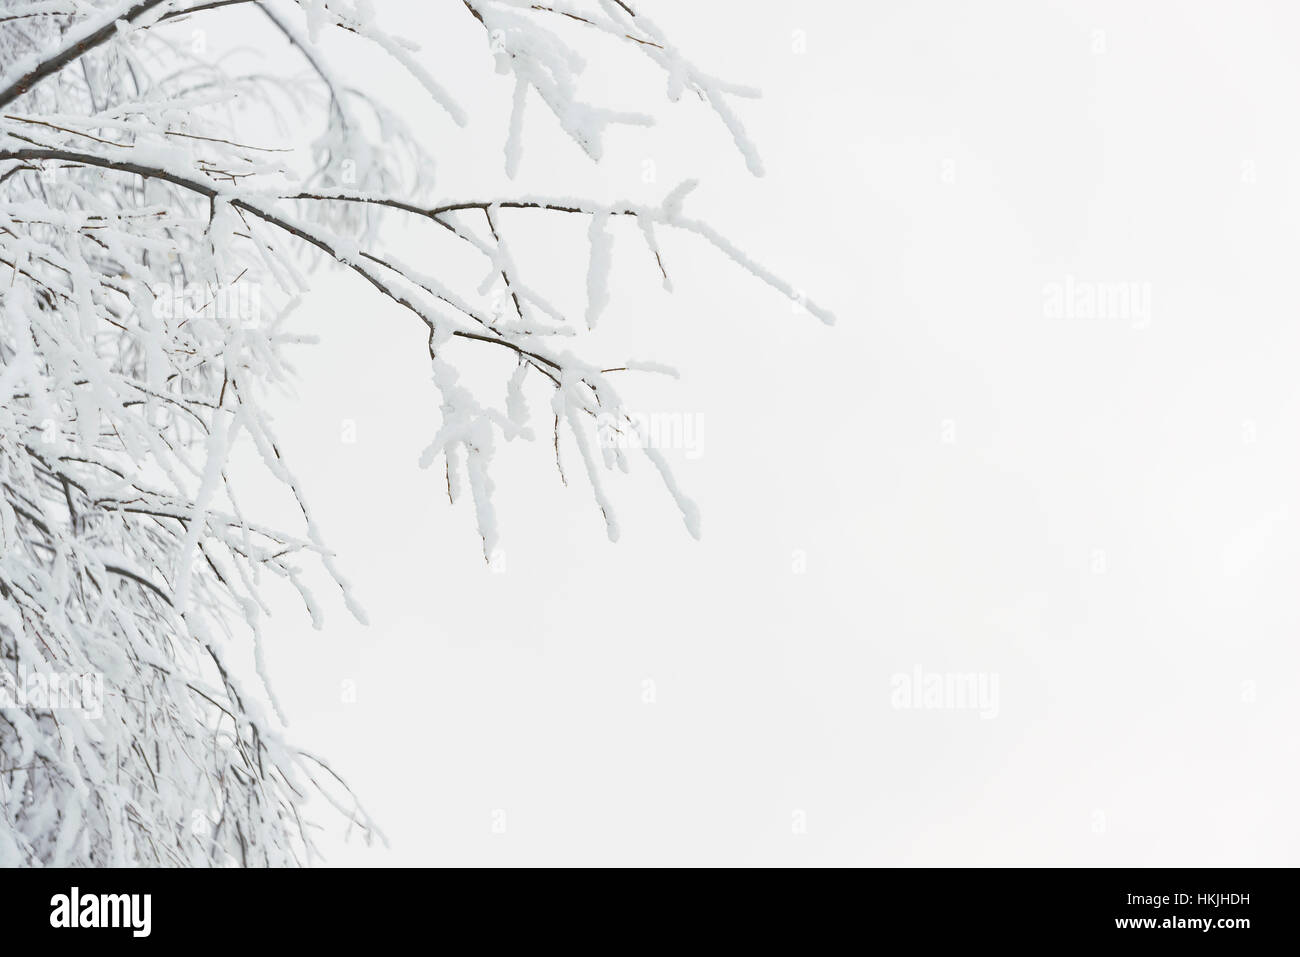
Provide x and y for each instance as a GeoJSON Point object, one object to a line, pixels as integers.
{"type": "Point", "coordinates": [1048, 453]}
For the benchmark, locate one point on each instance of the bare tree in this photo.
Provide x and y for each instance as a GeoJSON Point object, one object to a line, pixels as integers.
{"type": "Point", "coordinates": [152, 259]}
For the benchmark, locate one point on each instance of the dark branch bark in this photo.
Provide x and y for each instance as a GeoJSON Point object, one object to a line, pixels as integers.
{"type": "Point", "coordinates": [70, 52]}
{"type": "Point", "coordinates": [206, 189]}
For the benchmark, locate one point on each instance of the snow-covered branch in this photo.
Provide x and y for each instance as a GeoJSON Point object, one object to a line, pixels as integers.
{"type": "Point", "coordinates": [152, 258]}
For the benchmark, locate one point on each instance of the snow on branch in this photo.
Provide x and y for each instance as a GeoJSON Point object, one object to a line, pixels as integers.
{"type": "Point", "coordinates": [152, 261]}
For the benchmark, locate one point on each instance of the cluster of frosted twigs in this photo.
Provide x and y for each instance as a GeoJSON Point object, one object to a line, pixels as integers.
{"type": "Point", "coordinates": [150, 264]}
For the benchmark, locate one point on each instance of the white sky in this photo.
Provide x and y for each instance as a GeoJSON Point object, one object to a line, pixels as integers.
{"type": "Point", "coordinates": [1100, 512]}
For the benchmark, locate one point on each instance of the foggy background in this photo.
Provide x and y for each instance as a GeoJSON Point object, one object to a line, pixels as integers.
{"type": "Point", "coordinates": [1050, 443]}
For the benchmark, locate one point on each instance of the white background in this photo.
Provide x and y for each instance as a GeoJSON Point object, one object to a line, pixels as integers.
{"type": "Point", "coordinates": [1101, 512]}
